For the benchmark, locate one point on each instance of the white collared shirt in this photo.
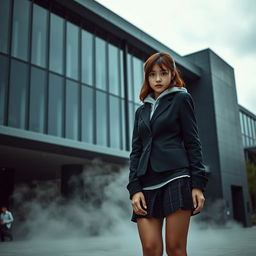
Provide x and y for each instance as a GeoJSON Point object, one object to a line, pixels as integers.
{"type": "Point", "coordinates": [6, 218]}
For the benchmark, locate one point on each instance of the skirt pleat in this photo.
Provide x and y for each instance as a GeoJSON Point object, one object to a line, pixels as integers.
{"type": "Point", "coordinates": [163, 201]}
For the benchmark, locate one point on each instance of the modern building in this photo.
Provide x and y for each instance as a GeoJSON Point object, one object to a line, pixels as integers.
{"type": "Point", "coordinates": [70, 77]}
{"type": "Point", "coordinates": [248, 128]}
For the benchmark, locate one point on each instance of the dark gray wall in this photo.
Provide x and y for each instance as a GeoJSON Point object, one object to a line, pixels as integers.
{"type": "Point", "coordinates": [219, 126]}
{"type": "Point", "coordinates": [202, 94]}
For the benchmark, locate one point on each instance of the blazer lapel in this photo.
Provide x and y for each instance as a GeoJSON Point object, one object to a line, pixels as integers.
{"type": "Point", "coordinates": [163, 105]}
{"type": "Point", "coordinates": [145, 114]}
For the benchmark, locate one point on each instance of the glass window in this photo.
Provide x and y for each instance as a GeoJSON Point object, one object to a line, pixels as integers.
{"type": "Point", "coordinates": [243, 138]}
{"type": "Point", "coordinates": [131, 122]}
{"type": "Point", "coordinates": [115, 124]}
{"type": "Point", "coordinates": [245, 125]}
{"type": "Point", "coordinates": [37, 100]}
{"type": "Point", "coordinates": [101, 118]}
{"type": "Point", "coordinates": [3, 86]}
{"type": "Point", "coordinates": [113, 66]}
{"type": "Point", "coordinates": [72, 110]}
{"type": "Point", "coordinates": [101, 77]}
{"type": "Point", "coordinates": [20, 30]}
{"type": "Point", "coordinates": [87, 114]}
{"type": "Point", "coordinates": [87, 57]}
{"type": "Point", "coordinates": [123, 130]}
{"type": "Point", "coordinates": [4, 25]}
{"type": "Point", "coordinates": [56, 105]}
{"type": "Point", "coordinates": [241, 122]}
{"type": "Point", "coordinates": [137, 78]}
{"type": "Point", "coordinates": [249, 126]}
{"type": "Point", "coordinates": [72, 50]}
{"type": "Point", "coordinates": [130, 77]}
{"type": "Point", "coordinates": [247, 141]}
{"type": "Point", "coordinates": [122, 72]}
{"type": "Point", "coordinates": [39, 36]}
{"type": "Point", "coordinates": [254, 127]}
{"type": "Point", "coordinates": [18, 95]}
{"type": "Point", "coordinates": [56, 43]}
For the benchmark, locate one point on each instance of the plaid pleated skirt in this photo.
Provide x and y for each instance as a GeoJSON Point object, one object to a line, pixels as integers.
{"type": "Point", "coordinates": [168, 199]}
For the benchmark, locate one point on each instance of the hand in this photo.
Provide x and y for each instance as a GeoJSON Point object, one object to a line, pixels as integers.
{"type": "Point", "coordinates": [137, 199]}
{"type": "Point", "coordinates": [198, 199]}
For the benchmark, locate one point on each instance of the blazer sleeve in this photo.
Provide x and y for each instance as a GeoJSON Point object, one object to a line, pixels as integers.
{"type": "Point", "coordinates": [134, 184]}
{"type": "Point", "coordinates": [192, 142]}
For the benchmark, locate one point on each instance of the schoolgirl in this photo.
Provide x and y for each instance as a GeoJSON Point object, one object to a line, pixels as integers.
{"type": "Point", "coordinates": [167, 177]}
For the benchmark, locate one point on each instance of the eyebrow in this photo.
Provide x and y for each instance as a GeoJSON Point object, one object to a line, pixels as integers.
{"type": "Point", "coordinates": [152, 71]}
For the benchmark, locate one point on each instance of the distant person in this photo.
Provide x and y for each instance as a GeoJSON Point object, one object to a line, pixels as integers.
{"type": "Point", "coordinates": [6, 220]}
{"type": "Point", "coordinates": [167, 177]}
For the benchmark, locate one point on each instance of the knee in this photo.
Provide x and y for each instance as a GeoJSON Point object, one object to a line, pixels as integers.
{"type": "Point", "coordinates": [176, 250]}
{"type": "Point", "coordinates": [152, 249]}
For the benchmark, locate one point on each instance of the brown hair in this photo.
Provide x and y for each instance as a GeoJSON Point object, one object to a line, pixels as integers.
{"type": "Point", "coordinates": [161, 59]}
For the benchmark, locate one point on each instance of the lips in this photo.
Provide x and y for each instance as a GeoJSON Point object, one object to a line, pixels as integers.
{"type": "Point", "coordinates": [158, 85]}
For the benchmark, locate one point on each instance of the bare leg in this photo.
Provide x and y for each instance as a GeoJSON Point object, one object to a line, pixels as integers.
{"type": "Point", "coordinates": [150, 231]}
{"type": "Point", "coordinates": [177, 225]}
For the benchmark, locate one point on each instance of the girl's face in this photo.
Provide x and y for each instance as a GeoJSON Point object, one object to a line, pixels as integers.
{"type": "Point", "coordinates": [159, 79]}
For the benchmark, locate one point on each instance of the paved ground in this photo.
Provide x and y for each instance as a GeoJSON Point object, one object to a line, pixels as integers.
{"type": "Point", "coordinates": [234, 241]}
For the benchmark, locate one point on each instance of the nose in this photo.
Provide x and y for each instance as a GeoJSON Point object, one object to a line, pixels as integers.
{"type": "Point", "coordinates": [158, 78]}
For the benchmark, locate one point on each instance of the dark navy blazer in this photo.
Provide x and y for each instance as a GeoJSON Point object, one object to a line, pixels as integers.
{"type": "Point", "coordinates": [169, 140]}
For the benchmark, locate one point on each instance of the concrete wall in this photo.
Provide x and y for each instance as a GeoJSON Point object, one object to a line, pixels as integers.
{"type": "Point", "coordinates": [221, 133]}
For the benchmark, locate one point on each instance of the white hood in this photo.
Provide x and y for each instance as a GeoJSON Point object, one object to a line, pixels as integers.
{"type": "Point", "coordinates": [154, 103]}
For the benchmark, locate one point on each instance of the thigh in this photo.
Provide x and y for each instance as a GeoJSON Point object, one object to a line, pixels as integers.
{"type": "Point", "coordinates": [150, 231]}
{"type": "Point", "coordinates": [177, 225]}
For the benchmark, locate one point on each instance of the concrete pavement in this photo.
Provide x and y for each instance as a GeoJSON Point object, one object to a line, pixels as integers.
{"type": "Point", "coordinates": [234, 241]}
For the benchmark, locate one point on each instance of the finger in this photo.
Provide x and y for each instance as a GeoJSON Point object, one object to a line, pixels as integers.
{"type": "Point", "coordinates": [195, 201]}
{"type": "Point", "coordinates": [143, 202]}
{"type": "Point", "coordinates": [201, 203]}
{"type": "Point", "coordinates": [140, 209]}
{"type": "Point", "coordinates": [199, 206]}
{"type": "Point", "coordinates": [136, 206]}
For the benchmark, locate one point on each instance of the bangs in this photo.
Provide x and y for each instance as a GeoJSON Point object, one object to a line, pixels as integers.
{"type": "Point", "coordinates": [160, 61]}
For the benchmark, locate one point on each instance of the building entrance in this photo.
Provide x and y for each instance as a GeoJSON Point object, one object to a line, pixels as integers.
{"type": "Point", "coordinates": [6, 185]}
{"type": "Point", "coordinates": [238, 204]}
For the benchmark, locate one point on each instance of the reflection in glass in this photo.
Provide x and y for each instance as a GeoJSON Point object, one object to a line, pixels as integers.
{"type": "Point", "coordinates": [87, 114]}
{"type": "Point", "coordinates": [20, 30]}
{"type": "Point", "coordinates": [37, 100]}
{"type": "Point", "coordinates": [87, 57]}
{"type": "Point", "coordinates": [18, 94]}
{"type": "Point", "coordinates": [4, 25]}
{"type": "Point", "coordinates": [131, 121]}
{"type": "Point", "coordinates": [123, 129]}
{"type": "Point", "coordinates": [100, 63]}
{"type": "Point", "coordinates": [101, 118]}
{"type": "Point", "coordinates": [56, 105]}
{"type": "Point", "coordinates": [113, 66]}
{"type": "Point", "coordinates": [56, 43]}
{"type": "Point", "coordinates": [72, 110]}
{"type": "Point", "coordinates": [72, 50]}
{"type": "Point", "coordinates": [39, 36]}
{"type": "Point", "coordinates": [130, 77]}
{"type": "Point", "coordinates": [3, 86]}
{"type": "Point", "coordinates": [121, 72]}
{"type": "Point", "coordinates": [138, 78]}
{"type": "Point", "coordinates": [254, 128]}
{"type": "Point", "coordinates": [241, 122]}
{"type": "Point", "coordinates": [115, 124]}
{"type": "Point", "coordinates": [245, 125]}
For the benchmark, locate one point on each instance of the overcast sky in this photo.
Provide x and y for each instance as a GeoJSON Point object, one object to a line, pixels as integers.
{"type": "Point", "coordinates": [227, 27]}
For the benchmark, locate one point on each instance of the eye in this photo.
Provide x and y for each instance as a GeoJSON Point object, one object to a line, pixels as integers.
{"type": "Point", "coordinates": [151, 74]}
{"type": "Point", "coordinates": [164, 73]}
